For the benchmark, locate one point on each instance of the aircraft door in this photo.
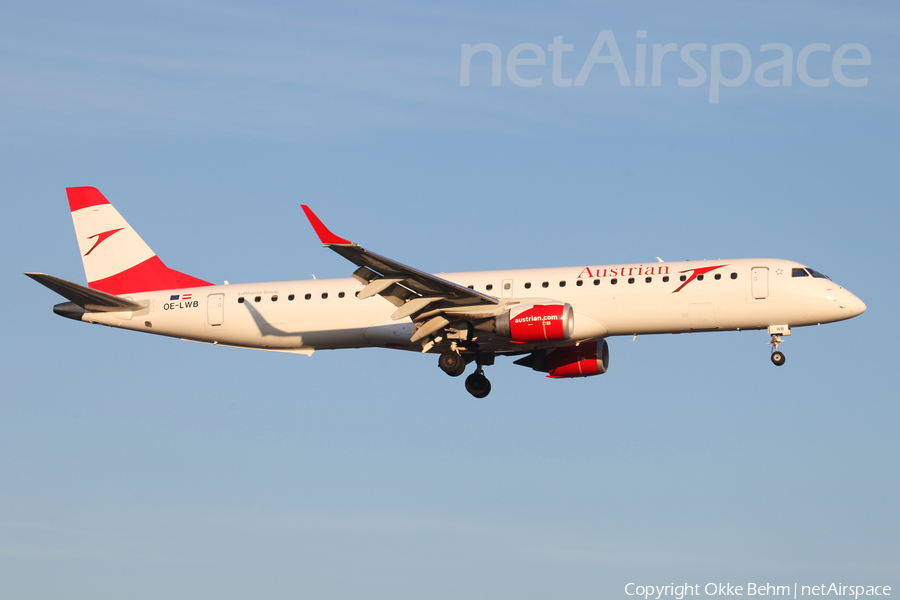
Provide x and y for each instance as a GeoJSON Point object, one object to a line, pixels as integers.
{"type": "Point", "coordinates": [759, 282]}
{"type": "Point", "coordinates": [215, 309]}
{"type": "Point", "coordinates": [506, 289]}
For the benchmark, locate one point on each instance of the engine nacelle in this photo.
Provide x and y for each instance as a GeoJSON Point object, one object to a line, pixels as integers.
{"type": "Point", "coordinates": [548, 322]}
{"type": "Point", "coordinates": [584, 360]}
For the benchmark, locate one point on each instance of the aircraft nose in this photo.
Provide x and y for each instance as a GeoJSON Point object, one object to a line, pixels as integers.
{"type": "Point", "coordinates": [853, 304]}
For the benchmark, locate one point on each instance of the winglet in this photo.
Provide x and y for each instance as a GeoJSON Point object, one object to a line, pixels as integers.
{"type": "Point", "coordinates": [325, 236]}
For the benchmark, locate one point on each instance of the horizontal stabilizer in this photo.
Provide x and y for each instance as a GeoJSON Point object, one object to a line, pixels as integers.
{"type": "Point", "coordinates": [85, 297]}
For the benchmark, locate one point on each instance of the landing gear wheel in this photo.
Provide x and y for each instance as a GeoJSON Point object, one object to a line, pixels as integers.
{"type": "Point", "coordinates": [478, 385]}
{"type": "Point", "coordinates": [778, 358]}
{"type": "Point", "coordinates": [452, 363]}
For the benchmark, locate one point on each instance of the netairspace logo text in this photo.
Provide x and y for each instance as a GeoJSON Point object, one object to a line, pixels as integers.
{"type": "Point", "coordinates": [679, 592]}
{"type": "Point", "coordinates": [696, 58]}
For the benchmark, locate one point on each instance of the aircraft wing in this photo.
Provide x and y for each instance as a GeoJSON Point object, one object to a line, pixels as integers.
{"type": "Point", "coordinates": [416, 294]}
{"type": "Point", "coordinates": [85, 297]}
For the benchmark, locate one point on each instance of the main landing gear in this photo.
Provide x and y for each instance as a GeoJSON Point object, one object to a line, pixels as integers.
{"type": "Point", "coordinates": [477, 384]}
{"type": "Point", "coordinates": [453, 364]}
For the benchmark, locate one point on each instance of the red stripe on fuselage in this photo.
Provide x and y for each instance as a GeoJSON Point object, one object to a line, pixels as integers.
{"type": "Point", "coordinates": [148, 276]}
{"type": "Point", "coordinates": [84, 197]}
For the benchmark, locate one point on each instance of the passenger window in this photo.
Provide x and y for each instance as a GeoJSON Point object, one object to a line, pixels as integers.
{"type": "Point", "coordinates": [718, 276]}
{"type": "Point", "coordinates": [649, 279]}
{"type": "Point", "coordinates": [257, 299]}
{"type": "Point", "coordinates": [562, 284]}
{"type": "Point", "coordinates": [275, 298]}
{"type": "Point", "coordinates": [666, 279]}
{"type": "Point", "coordinates": [471, 287]}
{"type": "Point", "coordinates": [699, 277]}
{"type": "Point", "coordinates": [613, 281]}
{"type": "Point", "coordinates": [356, 294]}
{"type": "Point", "coordinates": [596, 282]}
{"type": "Point", "coordinates": [579, 283]}
{"type": "Point", "coordinates": [683, 278]}
{"type": "Point", "coordinates": [489, 287]}
{"type": "Point", "coordinates": [308, 296]}
{"type": "Point", "coordinates": [507, 286]}
{"type": "Point", "coordinates": [341, 295]}
{"type": "Point", "coordinates": [241, 300]}
{"type": "Point", "coordinates": [528, 286]}
{"type": "Point", "coordinates": [545, 284]}
{"type": "Point", "coordinates": [734, 275]}
{"type": "Point", "coordinates": [631, 280]}
{"type": "Point", "coordinates": [291, 298]}
{"type": "Point", "coordinates": [324, 295]}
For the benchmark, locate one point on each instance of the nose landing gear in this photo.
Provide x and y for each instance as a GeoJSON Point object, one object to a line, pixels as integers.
{"type": "Point", "coordinates": [776, 331]}
{"type": "Point", "coordinates": [778, 358]}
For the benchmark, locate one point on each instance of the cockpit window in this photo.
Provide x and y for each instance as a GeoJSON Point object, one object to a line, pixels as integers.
{"type": "Point", "coordinates": [798, 272]}
{"type": "Point", "coordinates": [819, 275]}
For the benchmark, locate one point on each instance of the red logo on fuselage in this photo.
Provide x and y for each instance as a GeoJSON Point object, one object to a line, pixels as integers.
{"type": "Point", "coordinates": [696, 272]}
{"type": "Point", "coordinates": [623, 271]}
{"type": "Point", "coordinates": [101, 237]}
{"type": "Point", "coordinates": [642, 270]}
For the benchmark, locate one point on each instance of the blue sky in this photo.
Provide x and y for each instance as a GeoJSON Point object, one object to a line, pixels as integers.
{"type": "Point", "coordinates": [142, 467]}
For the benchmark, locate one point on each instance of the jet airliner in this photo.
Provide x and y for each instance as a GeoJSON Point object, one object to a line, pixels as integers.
{"type": "Point", "coordinates": [552, 320]}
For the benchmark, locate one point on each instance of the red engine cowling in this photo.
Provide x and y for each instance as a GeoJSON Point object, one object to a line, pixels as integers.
{"type": "Point", "coordinates": [584, 360]}
{"type": "Point", "coordinates": [548, 322]}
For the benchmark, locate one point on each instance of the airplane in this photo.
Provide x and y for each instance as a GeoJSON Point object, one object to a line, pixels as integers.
{"type": "Point", "coordinates": [552, 320]}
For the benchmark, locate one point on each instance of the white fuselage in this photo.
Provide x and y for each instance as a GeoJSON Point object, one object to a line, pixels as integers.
{"type": "Point", "coordinates": [608, 300]}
